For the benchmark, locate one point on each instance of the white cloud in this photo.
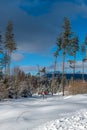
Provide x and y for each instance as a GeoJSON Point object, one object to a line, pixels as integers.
{"type": "Point", "coordinates": [78, 67]}
{"type": "Point", "coordinates": [29, 68]}
{"type": "Point", "coordinates": [17, 56]}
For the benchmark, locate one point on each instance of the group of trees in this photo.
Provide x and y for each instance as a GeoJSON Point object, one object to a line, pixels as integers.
{"type": "Point", "coordinates": [7, 46]}
{"type": "Point", "coordinates": [68, 44]}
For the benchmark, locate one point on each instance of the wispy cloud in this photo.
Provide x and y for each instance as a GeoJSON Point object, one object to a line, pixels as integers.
{"type": "Point", "coordinates": [36, 7]}
{"type": "Point", "coordinates": [17, 56]}
{"type": "Point", "coordinates": [29, 69]}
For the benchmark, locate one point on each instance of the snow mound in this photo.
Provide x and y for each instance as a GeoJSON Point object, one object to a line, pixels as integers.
{"type": "Point", "coordinates": [76, 121]}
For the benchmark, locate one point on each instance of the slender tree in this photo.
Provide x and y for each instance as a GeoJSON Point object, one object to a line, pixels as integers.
{"type": "Point", "coordinates": [84, 54]}
{"type": "Point", "coordinates": [63, 41]}
{"type": "Point", "coordinates": [10, 44]}
{"type": "Point", "coordinates": [83, 60]}
{"type": "Point", "coordinates": [1, 56]}
{"type": "Point", "coordinates": [66, 42]}
{"type": "Point", "coordinates": [5, 61]}
{"type": "Point", "coordinates": [55, 54]}
{"type": "Point", "coordinates": [72, 50]}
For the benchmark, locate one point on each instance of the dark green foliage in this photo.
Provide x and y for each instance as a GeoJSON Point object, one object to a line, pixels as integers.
{"type": "Point", "coordinates": [55, 61]}
{"type": "Point", "coordinates": [83, 49]}
{"type": "Point", "coordinates": [84, 54]}
{"type": "Point", "coordinates": [1, 49]}
{"type": "Point", "coordinates": [68, 44]}
{"type": "Point", "coordinates": [9, 37]}
{"type": "Point", "coordinates": [85, 41]}
{"type": "Point", "coordinates": [10, 44]}
{"type": "Point", "coordinates": [73, 47]}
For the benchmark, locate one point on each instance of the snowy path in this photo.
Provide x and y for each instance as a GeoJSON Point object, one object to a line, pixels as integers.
{"type": "Point", "coordinates": [28, 114]}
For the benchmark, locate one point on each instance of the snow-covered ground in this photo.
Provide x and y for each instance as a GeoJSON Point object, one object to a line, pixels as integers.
{"type": "Point", "coordinates": [52, 113]}
{"type": "Point", "coordinates": [76, 121]}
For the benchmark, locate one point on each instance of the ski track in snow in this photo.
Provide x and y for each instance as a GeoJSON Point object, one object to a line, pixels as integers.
{"type": "Point", "coordinates": [52, 113]}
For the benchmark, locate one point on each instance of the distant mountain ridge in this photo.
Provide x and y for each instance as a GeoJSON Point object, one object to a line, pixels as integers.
{"type": "Point", "coordinates": [67, 75]}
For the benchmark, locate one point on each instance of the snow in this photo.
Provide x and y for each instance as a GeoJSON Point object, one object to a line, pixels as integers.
{"type": "Point", "coordinates": [78, 121]}
{"type": "Point", "coordinates": [52, 113]}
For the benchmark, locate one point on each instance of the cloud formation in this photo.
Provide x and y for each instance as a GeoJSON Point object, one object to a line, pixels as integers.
{"type": "Point", "coordinates": [17, 57]}
{"type": "Point", "coordinates": [37, 23]}
{"type": "Point", "coordinates": [40, 32]}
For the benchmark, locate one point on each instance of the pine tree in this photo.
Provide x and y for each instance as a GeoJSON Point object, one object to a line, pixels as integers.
{"type": "Point", "coordinates": [10, 44]}
{"type": "Point", "coordinates": [84, 51]}
{"type": "Point", "coordinates": [73, 49]}
{"type": "Point", "coordinates": [55, 54]}
{"type": "Point", "coordinates": [1, 56]}
{"type": "Point", "coordinates": [64, 44]}
{"type": "Point", "coordinates": [5, 61]}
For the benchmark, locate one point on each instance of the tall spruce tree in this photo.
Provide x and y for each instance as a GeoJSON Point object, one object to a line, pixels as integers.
{"type": "Point", "coordinates": [1, 56]}
{"type": "Point", "coordinates": [84, 54]}
{"type": "Point", "coordinates": [64, 42]}
{"type": "Point", "coordinates": [5, 61]}
{"type": "Point", "coordinates": [72, 50]}
{"type": "Point", "coordinates": [83, 50]}
{"type": "Point", "coordinates": [55, 54]}
{"type": "Point", "coordinates": [10, 44]}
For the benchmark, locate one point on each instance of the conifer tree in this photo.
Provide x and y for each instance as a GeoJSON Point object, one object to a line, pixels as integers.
{"type": "Point", "coordinates": [5, 61]}
{"type": "Point", "coordinates": [84, 53]}
{"type": "Point", "coordinates": [1, 55]}
{"type": "Point", "coordinates": [10, 44]}
{"type": "Point", "coordinates": [55, 54]}
{"type": "Point", "coordinates": [64, 44]}
{"type": "Point", "coordinates": [73, 49]}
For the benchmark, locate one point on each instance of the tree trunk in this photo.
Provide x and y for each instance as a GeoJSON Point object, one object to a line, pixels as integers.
{"type": "Point", "coordinates": [9, 63]}
{"type": "Point", "coordinates": [74, 67]}
{"type": "Point", "coordinates": [63, 66]}
{"type": "Point", "coordinates": [5, 71]}
{"type": "Point", "coordinates": [83, 70]}
{"type": "Point", "coordinates": [55, 62]}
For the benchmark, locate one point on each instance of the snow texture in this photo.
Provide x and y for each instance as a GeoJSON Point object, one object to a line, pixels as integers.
{"type": "Point", "coordinates": [52, 113]}
{"type": "Point", "coordinates": [78, 121]}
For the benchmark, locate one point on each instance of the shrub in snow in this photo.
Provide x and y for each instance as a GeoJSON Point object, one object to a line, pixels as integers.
{"type": "Point", "coordinates": [3, 91]}
{"type": "Point", "coordinates": [24, 89]}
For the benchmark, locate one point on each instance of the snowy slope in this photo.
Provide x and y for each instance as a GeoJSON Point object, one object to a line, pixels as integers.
{"type": "Point", "coordinates": [52, 113]}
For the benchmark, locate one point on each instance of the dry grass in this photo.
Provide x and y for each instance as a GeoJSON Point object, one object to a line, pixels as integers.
{"type": "Point", "coordinates": [77, 87]}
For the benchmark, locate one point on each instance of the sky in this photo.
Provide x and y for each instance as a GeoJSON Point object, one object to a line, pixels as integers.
{"type": "Point", "coordinates": [36, 26]}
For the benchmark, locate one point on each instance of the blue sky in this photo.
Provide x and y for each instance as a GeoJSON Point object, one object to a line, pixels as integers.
{"type": "Point", "coordinates": [37, 24]}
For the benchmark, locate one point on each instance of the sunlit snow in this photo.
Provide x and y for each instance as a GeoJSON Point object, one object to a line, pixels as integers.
{"type": "Point", "coordinates": [52, 113]}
